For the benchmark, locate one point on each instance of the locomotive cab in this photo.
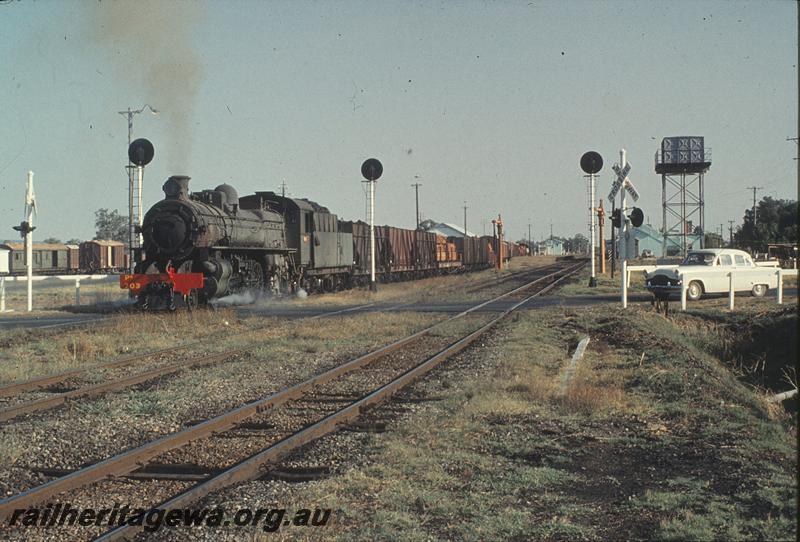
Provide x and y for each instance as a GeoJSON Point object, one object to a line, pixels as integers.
{"type": "Point", "coordinates": [323, 255]}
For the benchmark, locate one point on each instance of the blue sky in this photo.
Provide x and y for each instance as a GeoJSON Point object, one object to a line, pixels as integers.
{"type": "Point", "coordinates": [488, 102]}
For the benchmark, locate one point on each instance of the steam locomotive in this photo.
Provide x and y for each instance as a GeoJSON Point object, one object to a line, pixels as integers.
{"type": "Point", "coordinates": [208, 244]}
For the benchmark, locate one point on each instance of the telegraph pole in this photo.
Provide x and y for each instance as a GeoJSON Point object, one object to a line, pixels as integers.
{"type": "Point", "coordinates": [754, 189]}
{"type": "Point", "coordinates": [465, 218]}
{"type": "Point", "coordinates": [730, 233]}
{"type": "Point", "coordinates": [283, 188]}
{"type": "Point", "coordinates": [530, 248]}
{"type": "Point", "coordinates": [134, 185]}
{"type": "Point", "coordinates": [416, 193]}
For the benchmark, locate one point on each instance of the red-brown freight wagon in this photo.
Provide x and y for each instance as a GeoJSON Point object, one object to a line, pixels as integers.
{"type": "Point", "coordinates": [361, 247]}
{"type": "Point", "coordinates": [401, 243]}
{"type": "Point", "coordinates": [426, 251]}
{"type": "Point", "coordinates": [73, 257]}
{"type": "Point", "coordinates": [412, 251]}
{"type": "Point", "coordinates": [473, 252]}
{"type": "Point", "coordinates": [102, 255]}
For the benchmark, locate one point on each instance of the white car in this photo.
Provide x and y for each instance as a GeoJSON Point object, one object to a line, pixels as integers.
{"type": "Point", "coordinates": [708, 271]}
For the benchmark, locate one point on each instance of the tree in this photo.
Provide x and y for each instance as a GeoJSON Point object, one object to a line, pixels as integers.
{"type": "Point", "coordinates": [775, 222]}
{"type": "Point", "coordinates": [578, 244]}
{"type": "Point", "coordinates": [110, 225]}
{"type": "Point", "coordinates": [52, 240]}
{"type": "Point", "coordinates": [74, 241]}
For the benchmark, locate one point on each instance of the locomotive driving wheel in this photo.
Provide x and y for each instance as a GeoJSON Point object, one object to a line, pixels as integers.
{"type": "Point", "coordinates": [254, 279]}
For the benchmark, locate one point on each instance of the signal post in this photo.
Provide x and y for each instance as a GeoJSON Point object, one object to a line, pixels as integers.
{"type": "Point", "coordinates": [591, 164]}
{"type": "Point", "coordinates": [371, 170]}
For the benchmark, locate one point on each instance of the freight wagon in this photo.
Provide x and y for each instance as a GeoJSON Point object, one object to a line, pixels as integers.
{"type": "Point", "coordinates": [102, 256]}
{"type": "Point", "coordinates": [61, 259]}
{"type": "Point", "coordinates": [48, 259]}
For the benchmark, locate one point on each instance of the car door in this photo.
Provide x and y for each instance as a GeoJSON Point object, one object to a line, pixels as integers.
{"type": "Point", "coordinates": [724, 266]}
{"type": "Point", "coordinates": [743, 275]}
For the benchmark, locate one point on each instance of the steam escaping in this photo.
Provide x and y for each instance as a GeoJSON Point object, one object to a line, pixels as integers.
{"type": "Point", "coordinates": [252, 297]}
{"type": "Point", "coordinates": [244, 298]}
{"type": "Point", "coordinates": [150, 43]}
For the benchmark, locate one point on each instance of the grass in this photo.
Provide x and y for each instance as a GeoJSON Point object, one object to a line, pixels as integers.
{"type": "Point", "coordinates": [669, 446]}
{"type": "Point", "coordinates": [54, 294]}
{"type": "Point", "coordinates": [605, 284]}
{"type": "Point", "coordinates": [31, 353]}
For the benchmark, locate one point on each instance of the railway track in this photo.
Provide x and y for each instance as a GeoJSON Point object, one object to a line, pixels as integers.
{"type": "Point", "coordinates": [269, 429]}
{"type": "Point", "coordinates": [14, 391]}
{"type": "Point", "coordinates": [16, 404]}
{"type": "Point", "coordinates": [493, 282]}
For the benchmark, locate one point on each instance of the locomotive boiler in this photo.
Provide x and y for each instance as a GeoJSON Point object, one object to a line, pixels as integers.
{"type": "Point", "coordinates": [202, 245]}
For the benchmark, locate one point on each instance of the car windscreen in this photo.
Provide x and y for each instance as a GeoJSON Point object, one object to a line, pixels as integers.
{"type": "Point", "coordinates": [699, 258]}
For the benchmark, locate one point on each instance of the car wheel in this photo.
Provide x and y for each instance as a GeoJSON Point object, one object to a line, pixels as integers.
{"type": "Point", "coordinates": [694, 291]}
{"type": "Point", "coordinates": [759, 290]}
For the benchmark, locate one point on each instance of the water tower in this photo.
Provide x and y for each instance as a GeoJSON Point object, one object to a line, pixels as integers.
{"type": "Point", "coordinates": [682, 163]}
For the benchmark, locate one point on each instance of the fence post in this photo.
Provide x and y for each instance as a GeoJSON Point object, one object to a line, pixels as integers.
{"type": "Point", "coordinates": [77, 291]}
{"type": "Point", "coordinates": [2, 294]}
{"type": "Point", "coordinates": [683, 291]}
{"type": "Point", "coordinates": [730, 291]}
{"type": "Point", "coordinates": [780, 286]}
{"type": "Point", "coordinates": [624, 284]}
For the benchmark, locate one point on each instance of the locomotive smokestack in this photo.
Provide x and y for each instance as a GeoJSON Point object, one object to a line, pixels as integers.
{"type": "Point", "coordinates": [177, 187]}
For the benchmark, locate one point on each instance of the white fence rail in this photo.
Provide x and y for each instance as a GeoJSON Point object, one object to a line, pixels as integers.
{"type": "Point", "coordinates": [39, 278]}
{"type": "Point", "coordinates": [687, 278]}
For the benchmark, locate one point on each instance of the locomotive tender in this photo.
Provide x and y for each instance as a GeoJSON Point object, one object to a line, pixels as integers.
{"type": "Point", "coordinates": [209, 244]}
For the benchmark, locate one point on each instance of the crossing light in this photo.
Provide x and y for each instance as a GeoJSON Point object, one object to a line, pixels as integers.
{"type": "Point", "coordinates": [616, 218]}
{"type": "Point", "coordinates": [637, 217]}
